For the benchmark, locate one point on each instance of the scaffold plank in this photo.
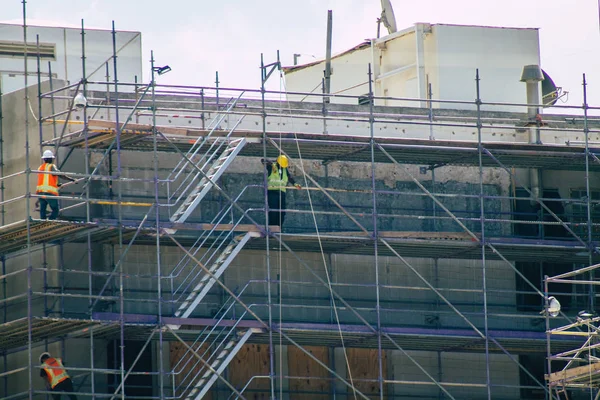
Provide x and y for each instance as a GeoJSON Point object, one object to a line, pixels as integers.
{"type": "Point", "coordinates": [15, 333]}
{"type": "Point", "coordinates": [14, 236]}
{"type": "Point", "coordinates": [584, 374]}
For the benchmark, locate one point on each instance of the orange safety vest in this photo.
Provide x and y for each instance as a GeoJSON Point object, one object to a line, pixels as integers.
{"type": "Point", "coordinates": [55, 370]}
{"type": "Point", "coordinates": [47, 183]}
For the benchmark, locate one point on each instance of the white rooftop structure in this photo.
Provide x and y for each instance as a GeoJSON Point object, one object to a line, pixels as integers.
{"type": "Point", "coordinates": [438, 57]}
{"type": "Point", "coordinates": [60, 55]}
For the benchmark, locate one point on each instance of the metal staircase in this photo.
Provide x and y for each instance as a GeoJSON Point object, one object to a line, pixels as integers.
{"type": "Point", "coordinates": [209, 156]}
{"type": "Point", "coordinates": [193, 177]}
{"type": "Point", "coordinates": [227, 352]}
{"type": "Point", "coordinates": [213, 169]}
{"type": "Point", "coordinates": [217, 269]}
{"type": "Point", "coordinates": [216, 345]}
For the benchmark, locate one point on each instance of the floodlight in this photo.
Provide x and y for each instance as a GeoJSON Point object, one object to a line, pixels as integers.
{"type": "Point", "coordinates": [162, 70]}
{"type": "Point", "coordinates": [585, 314]}
{"type": "Point", "coordinates": [80, 101]}
{"type": "Point", "coordinates": [553, 308]}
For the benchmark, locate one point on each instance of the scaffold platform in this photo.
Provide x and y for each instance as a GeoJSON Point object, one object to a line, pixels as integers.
{"type": "Point", "coordinates": [331, 147]}
{"type": "Point", "coordinates": [432, 245]}
{"type": "Point", "coordinates": [138, 327]}
{"type": "Point", "coordinates": [454, 340]}
{"type": "Point", "coordinates": [13, 238]}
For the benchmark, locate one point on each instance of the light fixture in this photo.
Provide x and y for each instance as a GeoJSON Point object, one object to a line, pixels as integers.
{"type": "Point", "coordinates": [585, 314]}
{"type": "Point", "coordinates": [552, 307]}
{"type": "Point", "coordinates": [80, 101]}
{"type": "Point", "coordinates": [162, 70]}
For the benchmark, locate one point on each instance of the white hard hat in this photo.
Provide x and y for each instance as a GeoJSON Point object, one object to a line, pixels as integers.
{"type": "Point", "coordinates": [44, 354]}
{"type": "Point", "coordinates": [48, 154]}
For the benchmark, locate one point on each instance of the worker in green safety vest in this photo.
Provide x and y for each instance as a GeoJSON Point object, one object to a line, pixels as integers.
{"type": "Point", "coordinates": [278, 178]}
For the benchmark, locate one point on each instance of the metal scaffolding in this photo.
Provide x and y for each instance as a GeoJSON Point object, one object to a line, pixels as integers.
{"type": "Point", "coordinates": [183, 207]}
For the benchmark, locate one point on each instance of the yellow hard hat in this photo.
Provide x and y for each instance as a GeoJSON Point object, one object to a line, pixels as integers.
{"type": "Point", "coordinates": [283, 161]}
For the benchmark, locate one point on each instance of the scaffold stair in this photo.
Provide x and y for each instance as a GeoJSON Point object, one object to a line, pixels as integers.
{"type": "Point", "coordinates": [213, 173]}
{"type": "Point", "coordinates": [218, 365]}
{"type": "Point", "coordinates": [217, 269]}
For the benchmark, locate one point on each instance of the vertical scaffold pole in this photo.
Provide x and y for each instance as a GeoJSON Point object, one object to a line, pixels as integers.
{"type": "Point", "coordinates": [482, 241]}
{"type": "Point", "coordinates": [87, 205]}
{"type": "Point", "coordinates": [119, 214]}
{"type": "Point", "coordinates": [51, 83]}
{"type": "Point", "coordinates": [157, 216]}
{"type": "Point", "coordinates": [264, 77]}
{"type": "Point", "coordinates": [28, 206]}
{"type": "Point", "coordinates": [375, 232]}
{"type": "Point", "coordinates": [39, 88]}
{"type": "Point", "coordinates": [85, 124]}
{"type": "Point", "coordinates": [2, 222]}
{"type": "Point", "coordinates": [548, 337]}
{"type": "Point", "coordinates": [588, 193]}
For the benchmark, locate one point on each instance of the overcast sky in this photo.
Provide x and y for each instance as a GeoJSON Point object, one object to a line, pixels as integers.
{"type": "Point", "coordinates": [198, 37]}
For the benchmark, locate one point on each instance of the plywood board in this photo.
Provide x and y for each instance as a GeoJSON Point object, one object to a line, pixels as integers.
{"type": "Point", "coordinates": [364, 364]}
{"type": "Point", "coordinates": [251, 360]}
{"type": "Point", "coordinates": [189, 368]}
{"type": "Point", "coordinates": [300, 364]}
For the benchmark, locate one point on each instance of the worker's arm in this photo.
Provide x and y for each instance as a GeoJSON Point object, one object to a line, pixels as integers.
{"type": "Point", "coordinates": [292, 181]}
{"type": "Point", "coordinates": [268, 164]}
{"type": "Point", "coordinates": [63, 175]}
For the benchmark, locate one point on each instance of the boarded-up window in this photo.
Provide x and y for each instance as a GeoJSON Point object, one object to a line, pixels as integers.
{"type": "Point", "coordinates": [302, 365]}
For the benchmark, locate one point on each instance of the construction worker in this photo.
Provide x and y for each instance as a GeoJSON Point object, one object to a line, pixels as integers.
{"type": "Point", "coordinates": [47, 186]}
{"type": "Point", "coordinates": [56, 377]}
{"type": "Point", "coordinates": [278, 178]}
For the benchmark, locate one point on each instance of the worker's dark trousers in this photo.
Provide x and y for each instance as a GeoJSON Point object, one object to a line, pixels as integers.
{"type": "Point", "coordinates": [48, 200]}
{"type": "Point", "coordinates": [276, 200]}
{"type": "Point", "coordinates": [64, 386]}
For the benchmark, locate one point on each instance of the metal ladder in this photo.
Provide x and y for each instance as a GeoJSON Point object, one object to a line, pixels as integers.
{"type": "Point", "coordinates": [217, 269]}
{"type": "Point", "coordinates": [214, 171]}
{"type": "Point", "coordinates": [218, 365]}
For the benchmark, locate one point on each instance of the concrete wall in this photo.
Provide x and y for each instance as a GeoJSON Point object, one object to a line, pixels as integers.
{"type": "Point", "coordinates": [15, 141]}
{"type": "Point", "coordinates": [498, 53]}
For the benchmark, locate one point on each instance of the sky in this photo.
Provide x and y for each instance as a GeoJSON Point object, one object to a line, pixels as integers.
{"type": "Point", "coordinates": [199, 37]}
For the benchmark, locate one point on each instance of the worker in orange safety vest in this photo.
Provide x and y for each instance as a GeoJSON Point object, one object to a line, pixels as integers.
{"type": "Point", "coordinates": [47, 186]}
{"type": "Point", "coordinates": [55, 374]}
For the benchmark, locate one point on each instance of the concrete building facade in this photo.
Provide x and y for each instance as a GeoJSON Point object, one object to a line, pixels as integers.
{"type": "Point", "coordinates": [411, 263]}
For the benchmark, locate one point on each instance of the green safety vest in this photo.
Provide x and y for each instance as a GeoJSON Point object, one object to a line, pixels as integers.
{"type": "Point", "coordinates": [277, 181]}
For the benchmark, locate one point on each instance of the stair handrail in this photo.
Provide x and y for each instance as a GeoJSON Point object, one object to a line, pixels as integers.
{"type": "Point", "coordinates": [215, 353]}
{"type": "Point", "coordinates": [201, 140]}
{"type": "Point", "coordinates": [215, 221]}
{"type": "Point", "coordinates": [214, 150]}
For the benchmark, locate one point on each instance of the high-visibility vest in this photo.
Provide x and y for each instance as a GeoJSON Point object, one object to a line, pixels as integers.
{"type": "Point", "coordinates": [47, 183]}
{"type": "Point", "coordinates": [277, 180]}
{"type": "Point", "coordinates": [55, 370]}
